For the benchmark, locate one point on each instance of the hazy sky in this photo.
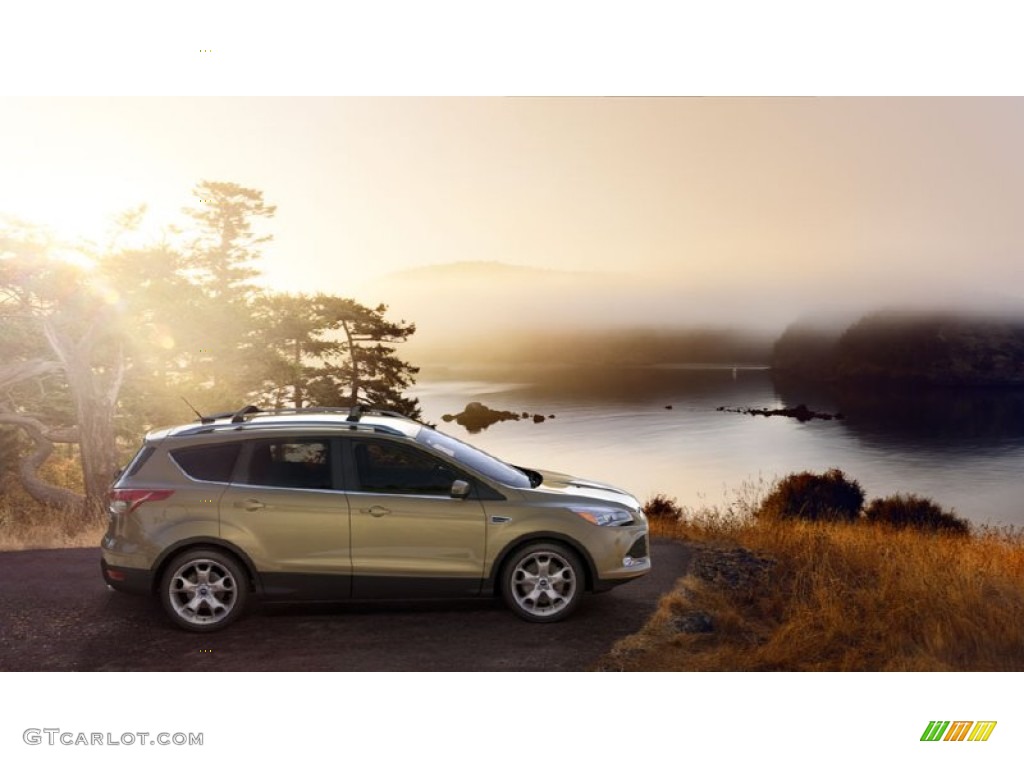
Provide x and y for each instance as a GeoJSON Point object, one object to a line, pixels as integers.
{"type": "Point", "coordinates": [773, 198]}
{"type": "Point", "coordinates": [872, 197]}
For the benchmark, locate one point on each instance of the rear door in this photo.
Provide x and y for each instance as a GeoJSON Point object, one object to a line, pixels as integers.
{"type": "Point", "coordinates": [410, 538]}
{"type": "Point", "coordinates": [286, 509]}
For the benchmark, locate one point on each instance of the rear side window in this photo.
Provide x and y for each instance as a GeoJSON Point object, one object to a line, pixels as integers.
{"type": "Point", "coordinates": [140, 458]}
{"type": "Point", "coordinates": [213, 463]}
{"type": "Point", "coordinates": [290, 463]}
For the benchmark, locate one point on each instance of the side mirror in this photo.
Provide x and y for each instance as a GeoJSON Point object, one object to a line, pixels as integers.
{"type": "Point", "coordinates": [460, 489]}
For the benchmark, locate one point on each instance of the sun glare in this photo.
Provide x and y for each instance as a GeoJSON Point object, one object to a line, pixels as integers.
{"type": "Point", "coordinates": [105, 292]}
{"type": "Point", "coordinates": [78, 216]}
{"type": "Point", "coordinates": [74, 257]}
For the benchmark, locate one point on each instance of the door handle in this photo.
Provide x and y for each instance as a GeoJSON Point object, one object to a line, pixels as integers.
{"type": "Point", "coordinates": [376, 511]}
{"type": "Point", "coordinates": [250, 505]}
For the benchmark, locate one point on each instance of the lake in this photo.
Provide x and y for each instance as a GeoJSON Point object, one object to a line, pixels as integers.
{"type": "Point", "coordinates": [962, 448]}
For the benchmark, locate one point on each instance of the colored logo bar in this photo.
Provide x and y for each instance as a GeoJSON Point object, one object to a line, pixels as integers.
{"type": "Point", "coordinates": [958, 730]}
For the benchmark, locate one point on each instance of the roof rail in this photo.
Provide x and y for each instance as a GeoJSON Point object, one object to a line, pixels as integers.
{"type": "Point", "coordinates": [241, 413]}
{"type": "Point", "coordinates": [358, 411]}
{"type": "Point", "coordinates": [308, 409]}
{"type": "Point", "coordinates": [355, 413]}
{"type": "Point", "coordinates": [202, 428]}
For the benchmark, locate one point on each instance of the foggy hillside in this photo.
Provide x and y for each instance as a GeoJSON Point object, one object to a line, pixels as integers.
{"type": "Point", "coordinates": [500, 311]}
{"type": "Point", "coordinates": [476, 296]}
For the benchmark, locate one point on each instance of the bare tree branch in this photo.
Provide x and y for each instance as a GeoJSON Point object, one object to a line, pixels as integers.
{"type": "Point", "coordinates": [15, 373]}
{"type": "Point", "coordinates": [28, 468]}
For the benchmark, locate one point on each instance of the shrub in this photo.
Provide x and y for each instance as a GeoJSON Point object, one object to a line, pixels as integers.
{"type": "Point", "coordinates": [808, 496]}
{"type": "Point", "coordinates": [912, 511]}
{"type": "Point", "coordinates": [661, 507]}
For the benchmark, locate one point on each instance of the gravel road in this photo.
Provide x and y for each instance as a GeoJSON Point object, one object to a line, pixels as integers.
{"type": "Point", "coordinates": [57, 614]}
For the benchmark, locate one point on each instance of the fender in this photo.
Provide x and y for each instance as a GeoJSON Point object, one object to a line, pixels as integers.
{"type": "Point", "coordinates": [206, 541]}
{"type": "Point", "coordinates": [591, 570]}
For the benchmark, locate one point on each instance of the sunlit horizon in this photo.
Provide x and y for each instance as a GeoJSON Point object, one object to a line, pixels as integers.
{"type": "Point", "coordinates": [679, 210]}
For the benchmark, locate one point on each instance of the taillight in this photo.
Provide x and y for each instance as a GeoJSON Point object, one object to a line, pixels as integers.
{"type": "Point", "coordinates": [125, 500]}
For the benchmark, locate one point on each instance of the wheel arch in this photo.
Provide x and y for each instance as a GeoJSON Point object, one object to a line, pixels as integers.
{"type": "Point", "coordinates": [204, 542]}
{"type": "Point", "coordinates": [492, 584]}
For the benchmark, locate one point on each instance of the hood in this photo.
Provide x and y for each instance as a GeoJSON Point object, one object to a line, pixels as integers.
{"type": "Point", "coordinates": [558, 482]}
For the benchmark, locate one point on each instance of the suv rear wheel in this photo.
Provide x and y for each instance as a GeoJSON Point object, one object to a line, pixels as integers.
{"type": "Point", "coordinates": [543, 582]}
{"type": "Point", "coordinates": [203, 590]}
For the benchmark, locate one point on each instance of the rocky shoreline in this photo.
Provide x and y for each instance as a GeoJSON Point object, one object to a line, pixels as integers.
{"type": "Point", "coordinates": [800, 412]}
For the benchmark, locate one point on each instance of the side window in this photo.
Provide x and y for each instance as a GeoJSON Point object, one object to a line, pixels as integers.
{"type": "Point", "coordinates": [290, 463]}
{"type": "Point", "coordinates": [140, 458]}
{"type": "Point", "coordinates": [213, 463]}
{"type": "Point", "coordinates": [383, 467]}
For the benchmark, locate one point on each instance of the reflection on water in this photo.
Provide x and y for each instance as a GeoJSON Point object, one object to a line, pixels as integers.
{"type": "Point", "coordinates": [965, 449]}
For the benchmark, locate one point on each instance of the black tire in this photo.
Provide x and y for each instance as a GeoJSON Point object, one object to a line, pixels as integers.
{"type": "Point", "coordinates": [543, 582]}
{"type": "Point", "coordinates": [203, 590]}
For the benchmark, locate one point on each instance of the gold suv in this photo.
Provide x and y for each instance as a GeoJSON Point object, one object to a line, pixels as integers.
{"type": "Point", "coordinates": [332, 505]}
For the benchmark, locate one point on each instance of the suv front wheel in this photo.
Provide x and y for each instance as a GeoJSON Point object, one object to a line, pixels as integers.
{"type": "Point", "coordinates": [203, 590]}
{"type": "Point", "coordinates": [543, 582]}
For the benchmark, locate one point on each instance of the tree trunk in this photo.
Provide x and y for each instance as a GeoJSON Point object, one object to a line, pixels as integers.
{"type": "Point", "coordinates": [95, 399]}
{"type": "Point", "coordinates": [297, 386]}
{"type": "Point", "coordinates": [355, 362]}
{"type": "Point", "coordinates": [28, 467]}
{"type": "Point", "coordinates": [95, 405]}
{"type": "Point", "coordinates": [43, 437]}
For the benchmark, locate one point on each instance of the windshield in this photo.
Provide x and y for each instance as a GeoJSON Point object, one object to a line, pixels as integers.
{"type": "Point", "coordinates": [484, 463]}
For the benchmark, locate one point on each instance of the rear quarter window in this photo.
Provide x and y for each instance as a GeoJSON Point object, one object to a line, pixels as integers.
{"type": "Point", "coordinates": [213, 463]}
{"type": "Point", "coordinates": [140, 458]}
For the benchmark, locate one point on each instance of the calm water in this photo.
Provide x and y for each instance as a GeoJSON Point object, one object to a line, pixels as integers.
{"type": "Point", "coordinates": [963, 449]}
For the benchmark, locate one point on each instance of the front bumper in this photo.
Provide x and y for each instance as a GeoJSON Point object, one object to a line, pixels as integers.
{"type": "Point", "coordinates": [635, 563]}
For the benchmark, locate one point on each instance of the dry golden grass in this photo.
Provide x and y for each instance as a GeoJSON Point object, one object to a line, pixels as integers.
{"type": "Point", "coordinates": [26, 524]}
{"type": "Point", "coordinates": [840, 597]}
{"type": "Point", "coordinates": [33, 526]}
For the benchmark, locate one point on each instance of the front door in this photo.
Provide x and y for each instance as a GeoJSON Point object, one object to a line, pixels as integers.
{"type": "Point", "coordinates": [410, 538]}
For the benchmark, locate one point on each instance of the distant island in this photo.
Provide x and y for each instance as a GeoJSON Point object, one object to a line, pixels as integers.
{"type": "Point", "coordinates": [476, 417]}
{"type": "Point", "coordinates": [905, 348]}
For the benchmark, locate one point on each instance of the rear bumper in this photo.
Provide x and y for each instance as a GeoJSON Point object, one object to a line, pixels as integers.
{"type": "Point", "coordinates": [138, 581]}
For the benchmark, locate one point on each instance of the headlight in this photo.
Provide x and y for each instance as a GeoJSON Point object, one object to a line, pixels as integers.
{"type": "Point", "coordinates": [604, 515]}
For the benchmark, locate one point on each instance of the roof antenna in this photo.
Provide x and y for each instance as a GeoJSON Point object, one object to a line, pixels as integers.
{"type": "Point", "coordinates": [202, 419]}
